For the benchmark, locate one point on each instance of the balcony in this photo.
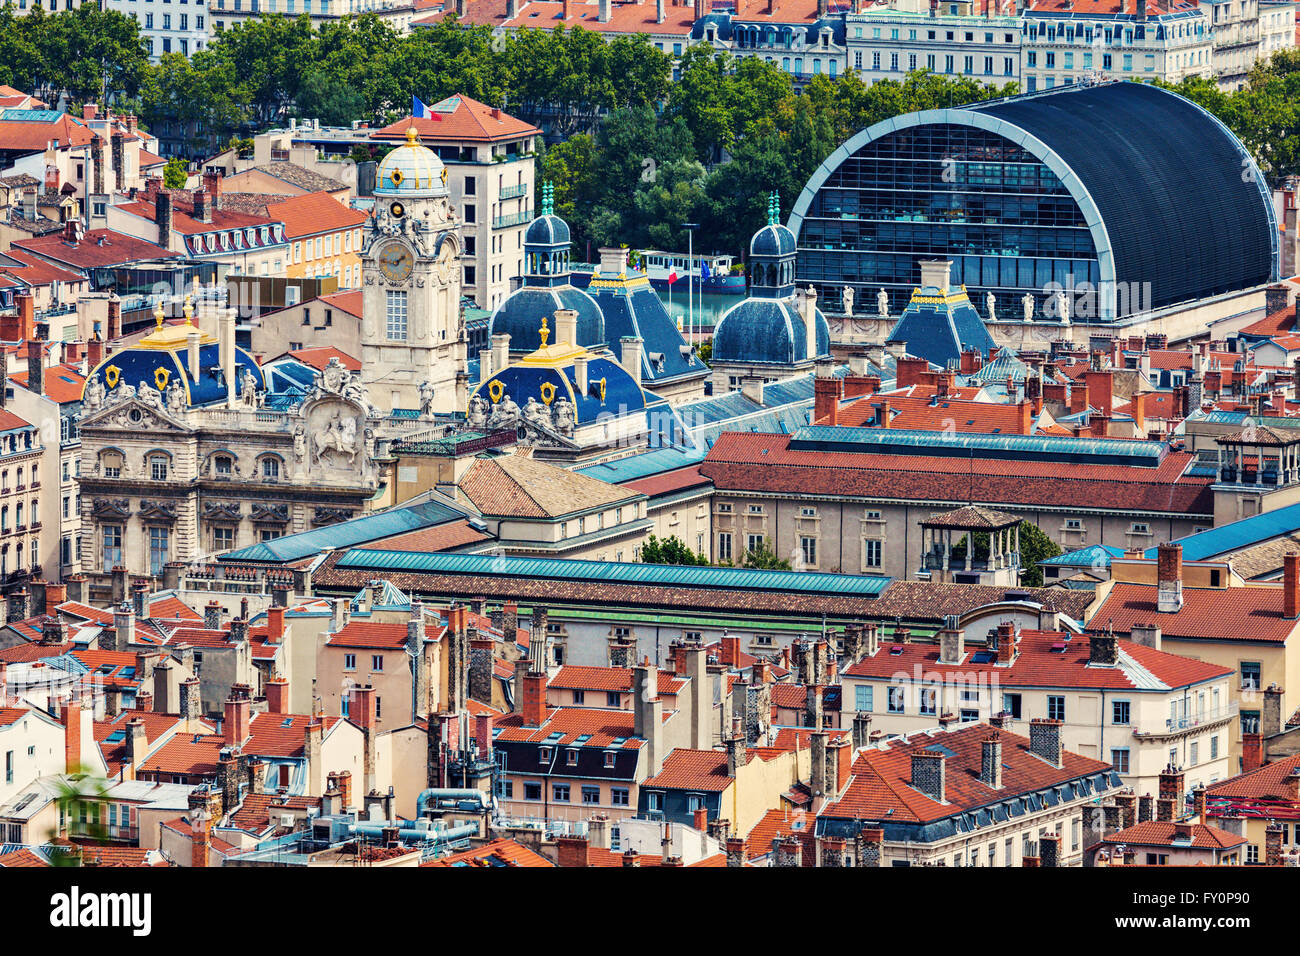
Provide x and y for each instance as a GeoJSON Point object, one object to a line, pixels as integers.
{"type": "Point", "coordinates": [518, 219]}
{"type": "Point", "coordinates": [1190, 722]}
{"type": "Point", "coordinates": [513, 192]}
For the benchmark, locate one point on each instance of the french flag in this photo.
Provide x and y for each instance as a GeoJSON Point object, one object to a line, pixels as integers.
{"type": "Point", "coordinates": [418, 109]}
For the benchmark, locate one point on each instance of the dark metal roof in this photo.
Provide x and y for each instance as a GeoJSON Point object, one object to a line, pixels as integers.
{"type": "Point", "coordinates": [1184, 207]}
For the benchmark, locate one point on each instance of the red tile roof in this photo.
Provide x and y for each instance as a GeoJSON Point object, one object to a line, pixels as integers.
{"type": "Point", "coordinates": [313, 213]}
{"type": "Point", "coordinates": [34, 651]}
{"type": "Point", "coordinates": [685, 769]}
{"type": "Point", "coordinates": [11, 715]}
{"type": "Point", "coordinates": [9, 420]}
{"type": "Point", "coordinates": [21, 857]}
{"type": "Point", "coordinates": [946, 413]}
{"type": "Point", "coordinates": [669, 481]}
{"type": "Point", "coordinates": [31, 136]}
{"type": "Point", "coordinates": [97, 855]}
{"type": "Point", "coordinates": [603, 726]}
{"type": "Point", "coordinates": [766, 463]}
{"type": "Point", "coordinates": [371, 634]}
{"type": "Point", "coordinates": [1038, 665]}
{"type": "Point", "coordinates": [191, 754]}
{"type": "Point", "coordinates": [580, 677]}
{"type": "Point", "coordinates": [497, 853]}
{"type": "Point", "coordinates": [185, 224]}
{"type": "Point", "coordinates": [1160, 833]}
{"type": "Point", "coordinates": [61, 383]}
{"type": "Point", "coordinates": [1223, 614]}
{"type": "Point", "coordinates": [444, 537]}
{"type": "Point", "coordinates": [156, 726]}
{"type": "Point", "coordinates": [879, 787]}
{"type": "Point", "coordinates": [470, 121]}
{"type": "Point", "coordinates": [34, 271]}
{"type": "Point", "coordinates": [318, 358]}
{"type": "Point", "coordinates": [782, 822]}
{"type": "Point", "coordinates": [116, 249]}
{"type": "Point", "coordinates": [1261, 784]}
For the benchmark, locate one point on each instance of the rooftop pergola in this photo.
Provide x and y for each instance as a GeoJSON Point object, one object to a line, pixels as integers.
{"type": "Point", "coordinates": [945, 529]}
{"type": "Point", "coordinates": [1276, 456]}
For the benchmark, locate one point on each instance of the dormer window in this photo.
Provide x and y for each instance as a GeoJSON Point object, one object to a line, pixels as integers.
{"type": "Point", "coordinates": [223, 465]}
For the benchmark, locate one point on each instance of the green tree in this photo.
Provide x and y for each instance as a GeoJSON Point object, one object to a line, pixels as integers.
{"type": "Point", "coordinates": [764, 557]}
{"type": "Point", "coordinates": [175, 173]}
{"type": "Point", "coordinates": [671, 550]}
{"type": "Point", "coordinates": [330, 99]}
{"type": "Point", "coordinates": [1035, 546]}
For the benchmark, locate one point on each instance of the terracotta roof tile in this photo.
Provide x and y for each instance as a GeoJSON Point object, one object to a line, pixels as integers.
{"type": "Point", "coordinates": [602, 728]}
{"type": "Point", "coordinates": [1162, 833]}
{"type": "Point", "coordinates": [515, 486]}
{"type": "Point", "coordinates": [684, 769]}
{"type": "Point", "coordinates": [313, 213]}
{"type": "Point", "coordinates": [378, 635]}
{"type": "Point", "coordinates": [1263, 783]}
{"type": "Point", "coordinates": [497, 853]}
{"type": "Point", "coordinates": [443, 537]}
{"type": "Point", "coordinates": [116, 249]}
{"type": "Point", "coordinates": [470, 120]}
{"type": "Point", "coordinates": [766, 463]}
{"type": "Point", "coordinates": [1227, 614]}
{"type": "Point", "coordinates": [879, 785]}
{"type": "Point", "coordinates": [1038, 665]}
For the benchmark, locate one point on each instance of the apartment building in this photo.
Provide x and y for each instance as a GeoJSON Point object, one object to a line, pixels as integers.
{"type": "Point", "coordinates": [976, 795]}
{"type": "Point", "coordinates": [1137, 708]}
{"type": "Point", "coordinates": [167, 26]}
{"type": "Point", "coordinates": [888, 41]}
{"type": "Point", "coordinates": [226, 14]}
{"type": "Point", "coordinates": [324, 236]}
{"type": "Point", "coordinates": [1065, 42]}
{"type": "Point", "coordinates": [487, 157]}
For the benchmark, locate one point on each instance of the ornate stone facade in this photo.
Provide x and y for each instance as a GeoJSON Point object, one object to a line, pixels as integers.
{"type": "Point", "coordinates": [162, 482]}
{"type": "Point", "coordinates": [413, 347]}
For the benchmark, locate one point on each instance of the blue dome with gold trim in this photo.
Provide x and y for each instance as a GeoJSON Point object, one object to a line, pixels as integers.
{"type": "Point", "coordinates": [161, 358]}
{"type": "Point", "coordinates": [550, 374]}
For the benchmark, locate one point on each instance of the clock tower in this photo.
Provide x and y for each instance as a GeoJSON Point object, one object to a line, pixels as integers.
{"type": "Point", "coordinates": [413, 352]}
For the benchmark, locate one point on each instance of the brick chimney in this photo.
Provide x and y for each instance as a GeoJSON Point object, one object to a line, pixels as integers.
{"type": "Point", "coordinates": [1169, 576]}
{"type": "Point", "coordinates": [202, 206]}
{"type": "Point", "coordinates": [237, 720]}
{"type": "Point", "coordinates": [212, 616]}
{"type": "Point", "coordinates": [827, 392]}
{"type": "Point", "coordinates": [277, 695]}
{"type": "Point", "coordinates": [1291, 585]}
{"type": "Point", "coordinates": [275, 624]}
{"type": "Point", "coordinates": [1045, 740]}
{"type": "Point", "coordinates": [361, 709]}
{"type": "Point", "coordinates": [571, 851]}
{"type": "Point", "coordinates": [534, 699]}
{"type": "Point", "coordinates": [1006, 643]}
{"type": "Point", "coordinates": [71, 720]}
{"type": "Point", "coordinates": [1252, 751]}
{"type": "Point", "coordinates": [928, 772]}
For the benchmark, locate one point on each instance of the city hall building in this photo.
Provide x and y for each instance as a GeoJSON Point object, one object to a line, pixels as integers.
{"type": "Point", "coordinates": [1130, 200]}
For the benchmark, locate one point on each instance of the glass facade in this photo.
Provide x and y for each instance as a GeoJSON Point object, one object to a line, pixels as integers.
{"type": "Point", "coordinates": [944, 191]}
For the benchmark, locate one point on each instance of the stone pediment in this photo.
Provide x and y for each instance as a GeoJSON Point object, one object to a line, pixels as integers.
{"type": "Point", "coordinates": [134, 415]}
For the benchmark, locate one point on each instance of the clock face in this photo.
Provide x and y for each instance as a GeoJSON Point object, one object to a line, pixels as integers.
{"type": "Point", "coordinates": [395, 262]}
{"type": "Point", "coordinates": [397, 210]}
